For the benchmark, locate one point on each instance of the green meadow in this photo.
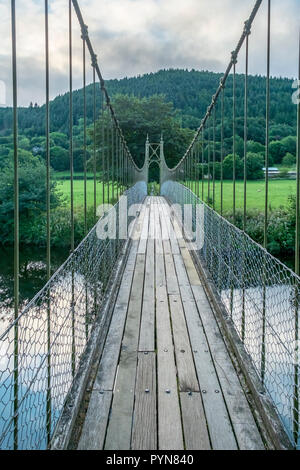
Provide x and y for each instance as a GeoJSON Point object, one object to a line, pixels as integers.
{"type": "Point", "coordinates": [279, 192]}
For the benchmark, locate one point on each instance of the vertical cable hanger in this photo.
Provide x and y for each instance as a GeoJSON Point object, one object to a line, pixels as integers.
{"type": "Point", "coordinates": [84, 36]}
{"type": "Point", "coordinates": [234, 62]}
{"type": "Point", "coordinates": [16, 221]}
{"type": "Point", "coordinates": [267, 126]}
{"type": "Point", "coordinates": [202, 185]}
{"type": "Point", "coordinates": [246, 123]}
{"type": "Point", "coordinates": [94, 143]}
{"type": "Point", "coordinates": [297, 247]}
{"type": "Point", "coordinates": [71, 126]}
{"type": "Point", "coordinates": [208, 162]}
{"type": "Point", "coordinates": [214, 157]}
{"type": "Point", "coordinates": [222, 146]}
{"type": "Point", "coordinates": [297, 233]}
{"type": "Point", "coordinates": [48, 200]}
{"type": "Point", "coordinates": [263, 346]}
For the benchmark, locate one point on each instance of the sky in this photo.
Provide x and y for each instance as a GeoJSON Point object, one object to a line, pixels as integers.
{"type": "Point", "coordinates": [133, 37]}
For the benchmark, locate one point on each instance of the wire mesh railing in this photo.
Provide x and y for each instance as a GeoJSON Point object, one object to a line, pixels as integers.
{"type": "Point", "coordinates": [261, 296]}
{"type": "Point", "coordinates": [40, 351]}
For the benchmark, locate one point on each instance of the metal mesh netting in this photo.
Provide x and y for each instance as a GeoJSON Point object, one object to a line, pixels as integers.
{"type": "Point", "coordinates": [261, 296]}
{"type": "Point", "coordinates": [41, 351]}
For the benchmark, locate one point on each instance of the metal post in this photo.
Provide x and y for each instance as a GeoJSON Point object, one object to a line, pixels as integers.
{"type": "Point", "coordinates": [103, 148]}
{"type": "Point", "coordinates": [208, 165]}
{"type": "Point", "coordinates": [222, 145]}
{"type": "Point", "coordinates": [214, 157]}
{"type": "Point", "coordinates": [234, 61]}
{"type": "Point", "coordinates": [297, 269]}
{"type": "Point", "coordinates": [16, 222]}
{"type": "Point", "coordinates": [245, 178]}
{"type": "Point", "coordinates": [94, 143]}
{"type": "Point", "coordinates": [48, 256]}
{"type": "Point", "coordinates": [73, 352]}
{"type": "Point", "coordinates": [84, 33]}
{"type": "Point", "coordinates": [202, 189]}
{"type": "Point", "coordinates": [112, 162]}
{"type": "Point", "coordinates": [263, 347]}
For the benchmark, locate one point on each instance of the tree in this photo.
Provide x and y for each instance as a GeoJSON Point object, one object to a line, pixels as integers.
{"type": "Point", "coordinates": [289, 160]}
{"type": "Point", "coordinates": [228, 167]}
{"type": "Point", "coordinates": [141, 117]}
{"type": "Point", "coordinates": [289, 144]}
{"type": "Point", "coordinates": [60, 159]}
{"type": "Point", "coordinates": [32, 198]}
{"type": "Point", "coordinates": [255, 147]}
{"type": "Point", "coordinates": [255, 163]}
{"type": "Point", "coordinates": [59, 139]}
{"type": "Point", "coordinates": [276, 151]}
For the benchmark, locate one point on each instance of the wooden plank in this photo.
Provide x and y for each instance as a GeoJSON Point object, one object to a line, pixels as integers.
{"type": "Point", "coordinates": [247, 433]}
{"type": "Point", "coordinates": [94, 427]}
{"type": "Point", "coordinates": [194, 423]}
{"type": "Point", "coordinates": [119, 427]}
{"type": "Point", "coordinates": [158, 237]}
{"type": "Point", "coordinates": [184, 358]}
{"type": "Point", "coordinates": [144, 232]}
{"type": "Point", "coordinates": [172, 235]}
{"type": "Point", "coordinates": [172, 283]}
{"type": "Point", "coordinates": [182, 276]}
{"type": "Point", "coordinates": [190, 267]}
{"type": "Point", "coordinates": [131, 335]}
{"type": "Point", "coordinates": [147, 331]}
{"type": "Point", "coordinates": [164, 223]}
{"type": "Point", "coordinates": [220, 429]}
{"type": "Point", "coordinates": [169, 420]}
{"type": "Point", "coordinates": [138, 225]}
{"type": "Point", "coordinates": [144, 435]}
{"type": "Point", "coordinates": [151, 234]}
{"type": "Point", "coordinates": [160, 277]}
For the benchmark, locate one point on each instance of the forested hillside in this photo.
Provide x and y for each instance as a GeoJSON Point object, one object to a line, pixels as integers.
{"type": "Point", "coordinates": [189, 91]}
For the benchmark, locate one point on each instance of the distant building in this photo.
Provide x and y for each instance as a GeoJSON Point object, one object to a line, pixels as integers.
{"type": "Point", "coordinates": [272, 171]}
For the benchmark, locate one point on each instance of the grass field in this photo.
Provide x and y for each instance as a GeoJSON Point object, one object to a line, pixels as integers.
{"type": "Point", "coordinates": [64, 188]}
{"type": "Point", "coordinates": [279, 191]}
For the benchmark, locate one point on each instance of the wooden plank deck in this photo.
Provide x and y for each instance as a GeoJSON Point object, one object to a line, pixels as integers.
{"type": "Point", "coordinates": [165, 379]}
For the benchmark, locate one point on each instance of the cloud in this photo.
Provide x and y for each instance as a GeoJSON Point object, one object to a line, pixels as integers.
{"type": "Point", "coordinates": [133, 37]}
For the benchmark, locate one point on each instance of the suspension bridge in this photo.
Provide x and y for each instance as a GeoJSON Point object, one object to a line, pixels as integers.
{"type": "Point", "coordinates": [174, 329]}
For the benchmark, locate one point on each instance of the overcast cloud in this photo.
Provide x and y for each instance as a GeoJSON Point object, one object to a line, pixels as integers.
{"type": "Point", "coordinates": [134, 37]}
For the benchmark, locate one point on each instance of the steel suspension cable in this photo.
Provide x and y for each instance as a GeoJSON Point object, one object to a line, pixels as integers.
{"type": "Point", "coordinates": [234, 61]}
{"type": "Point", "coordinates": [214, 157]}
{"type": "Point", "coordinates": [48, 222]}
{"type": "Point", "coordinates": [222, 146]}
{"type": "Point", "coordinates": [16, 220]}
{"type": "Point", "coordinates": [83, 36]}
{"type": "Point", "coordinates": [215, 97]}
{"type": "Point", "coordinates": [94, 142]}
{"type": "Point", "coordinates": [246, 130]}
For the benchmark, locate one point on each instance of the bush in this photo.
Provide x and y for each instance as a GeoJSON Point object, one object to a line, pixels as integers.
{"type": "Point", "coordinates": [255, 163]}
{"type": "Point", "coordinates": [289, 160]}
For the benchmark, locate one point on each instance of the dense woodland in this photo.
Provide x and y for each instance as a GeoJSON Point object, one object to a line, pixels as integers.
{"type": "Point", "coordinates": [170, 101]}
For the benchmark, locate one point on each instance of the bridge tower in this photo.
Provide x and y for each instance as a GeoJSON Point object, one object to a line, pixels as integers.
{"type": "Point", "coordinates": [155, 154]}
